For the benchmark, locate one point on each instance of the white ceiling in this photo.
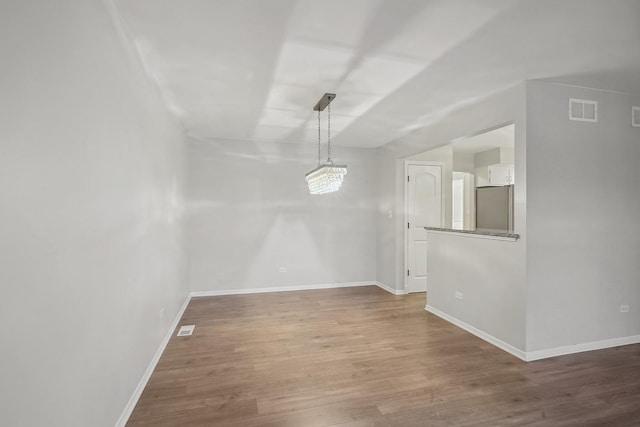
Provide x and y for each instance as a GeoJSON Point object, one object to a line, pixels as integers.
{"type": "Point", "coordinates": [253, 69]}
{"type": "Point", "coordinates": [503, 137]}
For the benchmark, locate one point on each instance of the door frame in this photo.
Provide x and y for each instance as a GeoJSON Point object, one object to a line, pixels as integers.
{"type": "Point", "coordinates": [405, 233]}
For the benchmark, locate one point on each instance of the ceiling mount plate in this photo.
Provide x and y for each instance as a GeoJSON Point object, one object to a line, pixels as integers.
{"type": "Point", "coordinates": [324, 101]}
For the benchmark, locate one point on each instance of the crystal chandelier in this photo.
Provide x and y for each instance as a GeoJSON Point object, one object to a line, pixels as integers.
{"type": "Point", "coordinates": [327, 177]}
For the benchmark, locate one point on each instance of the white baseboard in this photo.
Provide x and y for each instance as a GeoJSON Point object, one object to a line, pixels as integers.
{"type": "Point", "coordinates": [390, 289]}
{"type": "Point", "coordinates": [579, 348]}
{"type": "Point", "coordinates": [530, 356]}
{"type": "Point", "coordinates": [214, 293]}
{"type": "Point", "coordinates": [520, 354]}
{"type": "Point", "coordinates": [126, 413]}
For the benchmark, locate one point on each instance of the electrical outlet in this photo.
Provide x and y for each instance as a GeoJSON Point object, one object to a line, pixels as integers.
{"type": "Point", "coordinates": [624, 308]}
{"type": "Point", "coordinates": [282, 270]}
{"type": "Point", "coordinates": [459, 295]}
{"type": "Point", "coordinates": [162, 313]}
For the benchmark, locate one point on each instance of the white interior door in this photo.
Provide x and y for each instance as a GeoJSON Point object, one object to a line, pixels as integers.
{"type": "Point", "coordinates": [424, 208]}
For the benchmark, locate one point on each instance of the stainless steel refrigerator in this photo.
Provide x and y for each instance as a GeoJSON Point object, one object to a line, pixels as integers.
{"type": "Point", "coordinates": [494, 208]}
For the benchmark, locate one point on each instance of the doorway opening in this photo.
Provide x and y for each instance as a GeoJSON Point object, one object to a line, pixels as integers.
{"type": "Point", "coordinates": [479, 164]}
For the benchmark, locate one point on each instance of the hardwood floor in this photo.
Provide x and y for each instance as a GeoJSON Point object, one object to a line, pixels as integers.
{"type": "Point", "coordinates": [363, 357]}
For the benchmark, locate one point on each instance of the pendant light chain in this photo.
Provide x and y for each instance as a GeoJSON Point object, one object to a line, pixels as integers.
{"type": "Point", "coordinates": [329, 133]}
{"type": "Point", "coordinates": [318, 137]}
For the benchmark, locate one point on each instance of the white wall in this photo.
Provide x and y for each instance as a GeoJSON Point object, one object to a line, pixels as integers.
{"type": "Point", "coordinates": [90, 197]}
{"type": "Point", "coordinates": [497, 109]}
{"type": "Point", "coordinates": [582, 213]}
{"type": "Point", "coordinates": [463, 162]}
{"type": "Point", "coordinates": [507, 155]}
{"type": "Point", "coordinates": [489, 157]}
{"type": "Point", "coordinates": [250, 213]}
{"type": "Point", "coordinates": [490, 274]}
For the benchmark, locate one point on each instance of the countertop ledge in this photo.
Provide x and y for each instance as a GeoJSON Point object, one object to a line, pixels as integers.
{"type": "Point", "coordinates": [476, 232]}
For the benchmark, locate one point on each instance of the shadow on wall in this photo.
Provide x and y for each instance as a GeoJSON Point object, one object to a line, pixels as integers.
{"type": "Point", "coordinates": [250, 214]}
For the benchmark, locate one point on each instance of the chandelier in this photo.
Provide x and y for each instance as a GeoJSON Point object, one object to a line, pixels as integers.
{"type": "Point", "coordinates": [327, 177]}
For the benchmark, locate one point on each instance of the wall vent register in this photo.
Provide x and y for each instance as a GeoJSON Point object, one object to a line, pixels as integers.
{"type": "Point", "coordinates": [186, 330]}
{"type": "Point", "coordinates": [635, 117]}
{"type": "Point", "coordinates": [583, 110]}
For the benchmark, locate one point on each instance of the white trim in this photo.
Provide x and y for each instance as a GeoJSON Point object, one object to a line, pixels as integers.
{"type": "Point", "coordinates": [579, 348]}
{"type": "Point", "coordinates": [476, 236]}
{"type": "Point", "coordinates": [390, 289]}
{"type": "Point", "coordinates": [530, 356]}
{"type": "Point", "coordinates": [214, 293]}
{"type": "Point", "coordinates": [133, 400]}
{"type": "Point", "coordinates": [405, 216]}
{"type": "Point", "coordinates": [479, 333]}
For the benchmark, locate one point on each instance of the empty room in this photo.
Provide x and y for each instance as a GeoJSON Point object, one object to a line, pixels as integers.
{"type": "Point", "coordinates": [319, 213]}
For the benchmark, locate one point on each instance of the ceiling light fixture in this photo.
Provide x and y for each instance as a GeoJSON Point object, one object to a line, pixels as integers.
{"type": "Point", "coordinates": [327, 177]}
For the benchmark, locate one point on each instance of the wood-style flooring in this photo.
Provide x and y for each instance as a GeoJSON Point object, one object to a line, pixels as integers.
{"type": "Point", "coordinates": [363, 357]}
